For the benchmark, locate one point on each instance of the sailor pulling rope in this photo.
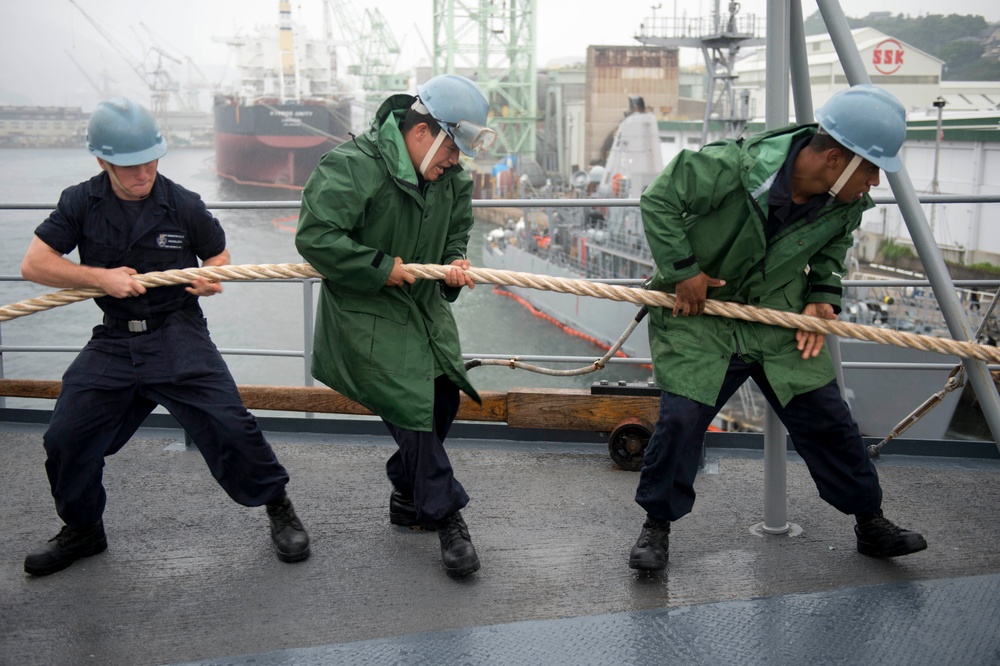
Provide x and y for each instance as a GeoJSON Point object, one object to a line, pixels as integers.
{"type": "Point", "coordinates": [964, 349]}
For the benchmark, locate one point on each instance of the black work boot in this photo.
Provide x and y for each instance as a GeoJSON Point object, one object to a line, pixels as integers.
{"type": "Point", "coordinates": [66, 548]}
{"type": "Point", "coordinates": [652, 549]}
{"type": "Point", "coordinates": [457, 552]}
{"type": "Point", "coordinates": [402, 512]}
{"type": "Point", "coordinates": [880, 537]}
{"type": "Point", "coordinates": [291, 542]}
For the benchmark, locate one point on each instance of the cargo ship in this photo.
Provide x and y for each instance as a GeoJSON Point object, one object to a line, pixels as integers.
{"type": "Point", "coordinates": [287, 109]}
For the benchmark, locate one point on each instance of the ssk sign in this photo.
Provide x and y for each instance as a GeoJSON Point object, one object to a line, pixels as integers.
{"type": "Point", "coordinates": [888, 56]}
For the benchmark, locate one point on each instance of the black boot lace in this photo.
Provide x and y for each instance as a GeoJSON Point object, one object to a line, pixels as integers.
{"type": "Point", "coordinates": [453, 529]}
{"type": "Point", "coordinates": [654, 532]}
{"type": "Point", "coordinates": [882, 524]}
{"type": "Point", "coordinates": [65, 534]}
{"type": "Point", "coordinates": [283, 516]}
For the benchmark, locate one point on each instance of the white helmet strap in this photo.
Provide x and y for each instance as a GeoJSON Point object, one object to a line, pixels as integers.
{"type": "Point", "coordinates": [431, 152]}
{"type": "Point", "coordinates": [852, 166]}
{"type": "Point", "coordinates": [113, 174]}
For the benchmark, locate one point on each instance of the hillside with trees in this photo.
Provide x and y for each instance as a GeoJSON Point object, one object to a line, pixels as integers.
{"type": "Point", "coordinates": [960, 41]}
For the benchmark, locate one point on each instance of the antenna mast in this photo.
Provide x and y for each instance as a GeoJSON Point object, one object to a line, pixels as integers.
{"type": "Point", "coordinates": [719, 39]}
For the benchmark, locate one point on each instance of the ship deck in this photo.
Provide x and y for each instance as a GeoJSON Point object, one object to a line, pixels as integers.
{"type": "Point", "coordinates": [189, 577]}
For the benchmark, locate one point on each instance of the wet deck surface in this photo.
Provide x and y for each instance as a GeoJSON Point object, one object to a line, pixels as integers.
{"type": "Point", "coordinates": [189, 576]}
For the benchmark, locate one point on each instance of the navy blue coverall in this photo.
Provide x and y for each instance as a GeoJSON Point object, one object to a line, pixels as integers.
{"type": "Point", "coordinates": [420, 469]}
{"type": "Point", "coordinates": [120, 376]}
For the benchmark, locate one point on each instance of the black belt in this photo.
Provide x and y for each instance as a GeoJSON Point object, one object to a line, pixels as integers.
{"type": "Point", "coordinates": [148, 325]}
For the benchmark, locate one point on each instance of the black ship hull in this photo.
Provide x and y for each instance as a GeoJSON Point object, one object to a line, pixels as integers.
{"type": "Point", "coordinates": [276, 145]}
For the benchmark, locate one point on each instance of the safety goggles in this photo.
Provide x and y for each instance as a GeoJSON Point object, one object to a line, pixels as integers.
{"type": "Point", "coordinates": [468, 134]}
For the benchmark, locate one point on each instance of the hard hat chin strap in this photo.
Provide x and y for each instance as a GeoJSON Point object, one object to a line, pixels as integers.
{"type": "Point", "coordinates": [852, 166]}
{"type": "Point", "coordinates": [113, 174]}
{"type": "Point", "coordinates": [431, 152]}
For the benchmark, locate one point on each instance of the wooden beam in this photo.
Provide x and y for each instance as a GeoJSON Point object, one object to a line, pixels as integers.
{"type": "Point", "coordinates": [29, 388]}
{"type": "Point", "coordinates": [575, 409]}
{"type": "Point", "coordinates": [561, 409]}
{"type": "Point", "coordinates": [327, 401]}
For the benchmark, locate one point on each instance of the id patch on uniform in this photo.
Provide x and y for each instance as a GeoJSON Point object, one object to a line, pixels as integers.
{"type": "Point", "coordinates": [170, 241]}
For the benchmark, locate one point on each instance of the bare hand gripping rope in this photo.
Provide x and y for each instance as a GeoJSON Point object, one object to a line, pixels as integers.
{"type": "Point", "coordinates": [964, 349]}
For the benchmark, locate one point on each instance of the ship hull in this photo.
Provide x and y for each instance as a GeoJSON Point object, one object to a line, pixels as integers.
{"type": "Point", "coordinates": [878, 399]}
{"type": "Point", "coordinates": [275, 145]}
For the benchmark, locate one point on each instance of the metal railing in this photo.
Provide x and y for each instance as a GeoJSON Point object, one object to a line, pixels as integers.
{"type": "Point", "coordinates": [308, 284]}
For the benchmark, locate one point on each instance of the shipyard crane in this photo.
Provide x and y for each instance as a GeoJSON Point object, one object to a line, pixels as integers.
{"type": "Point", "coordinates": [373, 49]}
{"type": "Point", "coordinates": [493, 42]}
{"type": "Point", "coordinates": [188, 100]}
{"type": "Point", "coordinates": [104, 88]}
{"type": "Point", "coordinates": [157, 79]}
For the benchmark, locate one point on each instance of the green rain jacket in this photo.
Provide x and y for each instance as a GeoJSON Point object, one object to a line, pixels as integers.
{"type": "Point", "coordinates": [383, 346]}
{"type": "Point", "coordinates": [705, 213]}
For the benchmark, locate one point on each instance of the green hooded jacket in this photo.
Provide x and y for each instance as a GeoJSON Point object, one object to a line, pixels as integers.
{"type": "Point", "coordinates": [705, 213]}
{"type": "Point", "coordinates": [383, 346]}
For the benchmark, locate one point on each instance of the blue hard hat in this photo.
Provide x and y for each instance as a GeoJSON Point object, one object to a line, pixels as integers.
{"type": "Point", "coordinates": [124, 133]}
{"type": "Point", "coordinates": [868, 121]}
{"type": "Point", "coordinates": [461, 109]}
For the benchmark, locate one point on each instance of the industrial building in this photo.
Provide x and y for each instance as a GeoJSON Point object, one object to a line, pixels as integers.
{"type": "Point", "coordinates": [42, 126]}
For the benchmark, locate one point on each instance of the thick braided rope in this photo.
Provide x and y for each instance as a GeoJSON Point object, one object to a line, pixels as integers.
{"type": "Point", "coordinates": [542, 282]}
{"type": "Point", "coordinates": [161, 279]}
{"type": "Point", "coordinates": [724, 309]}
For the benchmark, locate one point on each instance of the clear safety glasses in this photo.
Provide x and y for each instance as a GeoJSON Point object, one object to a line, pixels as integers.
{"type": "Point", "coordinates": [467, 133]}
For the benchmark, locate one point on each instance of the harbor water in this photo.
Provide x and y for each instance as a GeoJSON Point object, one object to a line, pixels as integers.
{"type": "Point", "coordinates": [265, 315]}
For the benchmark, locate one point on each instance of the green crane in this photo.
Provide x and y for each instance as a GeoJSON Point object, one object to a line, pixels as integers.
{"type": "Point", "coordinates": [373, 51]}
{"type": "Point", "coordinates": [493, 42]}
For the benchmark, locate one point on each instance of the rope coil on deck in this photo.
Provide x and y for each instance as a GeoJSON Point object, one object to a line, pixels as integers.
{"type": "Point", "coordinates": [964, 349]}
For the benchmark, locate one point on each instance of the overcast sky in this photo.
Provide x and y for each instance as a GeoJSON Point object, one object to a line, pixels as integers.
{"type": "Point", "coordinates": [41, 39]}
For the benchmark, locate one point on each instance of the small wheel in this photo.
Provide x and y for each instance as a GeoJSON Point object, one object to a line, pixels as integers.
{"type": "Point", "coordinates": [627, 443]}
